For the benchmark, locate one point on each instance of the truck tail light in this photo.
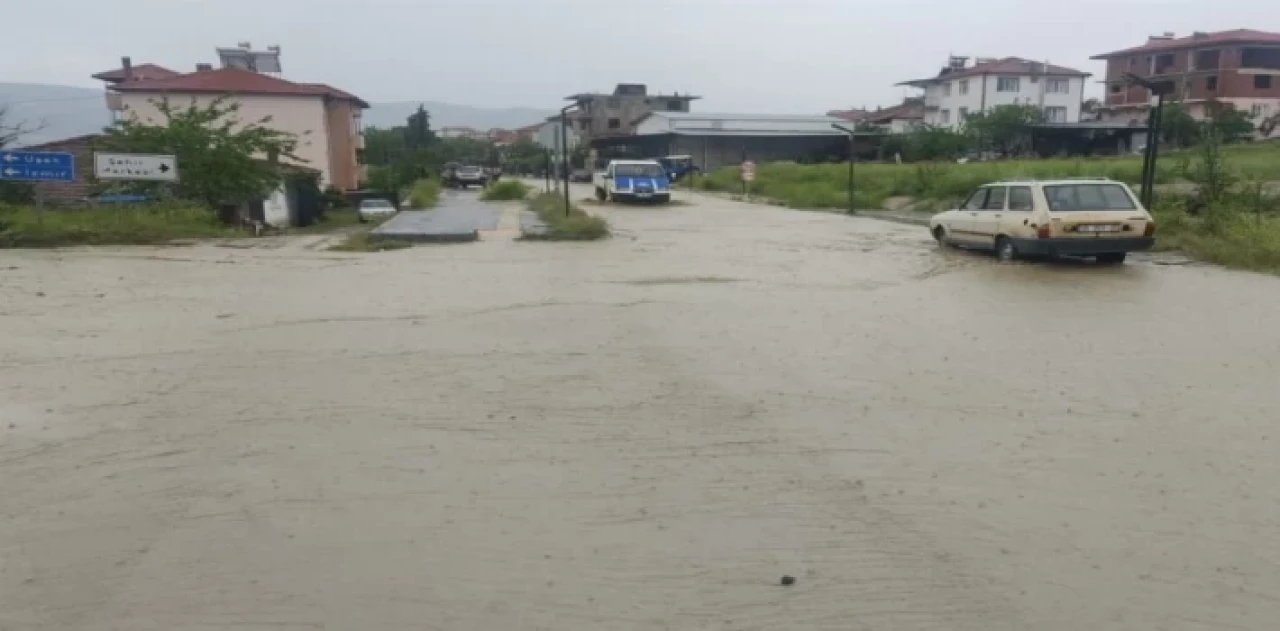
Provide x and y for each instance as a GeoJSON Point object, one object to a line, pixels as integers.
{"type": "Point", "coordinates": [1042, 232]}
{"type": "Point", "coordinates": [1150, 230]}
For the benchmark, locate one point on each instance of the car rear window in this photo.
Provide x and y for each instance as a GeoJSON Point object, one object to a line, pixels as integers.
{"type": "Point", "coordinates": [1069, 197]}
{"type": "Point", "coordinates": [638, 170]}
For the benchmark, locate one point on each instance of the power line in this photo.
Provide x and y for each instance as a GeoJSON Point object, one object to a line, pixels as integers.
{"type": "Point", "coordinates": [63, 100]}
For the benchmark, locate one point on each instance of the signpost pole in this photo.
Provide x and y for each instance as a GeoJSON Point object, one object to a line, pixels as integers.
{"type": "Point", "coordinates": [852, 148]}
{"type": "Point", "coordinates": [39, 207]}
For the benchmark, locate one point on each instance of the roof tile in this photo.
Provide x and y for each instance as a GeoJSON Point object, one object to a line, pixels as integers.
{"type": "Point", "coordinates": [234, 81]}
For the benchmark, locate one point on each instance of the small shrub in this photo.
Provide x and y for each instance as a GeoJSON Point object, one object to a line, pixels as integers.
{"type": "Point", "coordinates": [363, 242]}
{"type": "Point", "coordinates": [424, 193]}
{"type": "Point", "coordinates": [576, 226]}
{"type": "Point", "coordinates": [505, 190]}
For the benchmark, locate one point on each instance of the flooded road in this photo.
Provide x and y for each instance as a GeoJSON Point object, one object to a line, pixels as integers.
{"type": "Point", "coordinates": [642, 433]}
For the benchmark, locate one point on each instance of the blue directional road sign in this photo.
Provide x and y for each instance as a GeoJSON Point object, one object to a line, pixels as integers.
{"type": "Point", "coordinates": [37, 166]}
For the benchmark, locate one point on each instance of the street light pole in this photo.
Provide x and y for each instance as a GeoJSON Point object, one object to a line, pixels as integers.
{"type": "Point", "coordinates": [1154, 122]}
{"type": "Point", "coordinates": [849, 130]}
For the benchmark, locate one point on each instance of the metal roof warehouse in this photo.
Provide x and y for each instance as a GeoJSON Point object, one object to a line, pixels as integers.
{"type": "Point", "coordinates": [718, 140]}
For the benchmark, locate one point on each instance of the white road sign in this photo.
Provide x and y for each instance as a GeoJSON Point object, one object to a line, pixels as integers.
{"type": "Point", "coordinates": [135, 166]}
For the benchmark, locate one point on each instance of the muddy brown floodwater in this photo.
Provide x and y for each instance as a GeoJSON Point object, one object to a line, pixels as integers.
{"type": "Point", "coordinates": [642, 433]}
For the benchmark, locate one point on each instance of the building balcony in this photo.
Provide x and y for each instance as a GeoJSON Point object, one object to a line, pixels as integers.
{"type": "Point", "coordinates": [115, 101]}
{"type": "Point", "coordinates": [933, 102]}
{"type": "Point", "coordinates": [359, 141]}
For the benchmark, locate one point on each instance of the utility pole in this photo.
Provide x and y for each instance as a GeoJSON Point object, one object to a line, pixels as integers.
{"type": "Point", "coordinates": [851, 132]}
{"type": "Point", "coordinates": [564, 147]}
{"type": "Point", "coordinates": [1154, 122]}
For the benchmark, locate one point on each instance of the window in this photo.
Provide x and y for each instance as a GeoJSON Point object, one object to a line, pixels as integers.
{"type": "Point", "coordinates": [1165, 63]}
{"type": "Point", "coordinates": [1259, 110]}
{"type": "Point", "coordinates": [1055, 114]}
{"type": "Point", "coordinates": [1057, 86]}
{"type": "Point", "coordinates": [1008, 84]}
{"type": "Point", "coordinates": [1262, 81]}
{"type": "Point", "coordinates": [1208, 59]}
{"type": "Point", "coordinates": [964, 86]}
{"type": "Point", "coordinates": [1020, 198]}
{"type": "Point", "coordinates": [1133, 61]}
{"type": "Point", "coordinates": [1211, 83]}
{"type": "Point", "coordinates": [638, 170]}
{"type": "Point", "coordinates": [675, 106]}
{"type": "Point", "coordinates": [1116, 88]}
{"type": "Point", "coordinates": [946, 89]}
{"type": "Point", "coordinates": [963, 115]}
{"type": "Point", "coordinates": [944, 116]}
{"type": "Point", "coordinates": [995, 198]}
{"type": "Point", "coordinates": [975, 201]}
{"type": "Point", "coordinates": [615, 123]}
{"type": "Point", "coordinates": [1069, 197]}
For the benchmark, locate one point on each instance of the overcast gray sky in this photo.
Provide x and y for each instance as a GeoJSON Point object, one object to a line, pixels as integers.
{"type": "Point", "coordinates": [747, 56]}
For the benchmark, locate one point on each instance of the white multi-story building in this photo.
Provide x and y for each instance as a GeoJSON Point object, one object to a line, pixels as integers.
{"type": "Point", "coordinates": [961, 90]}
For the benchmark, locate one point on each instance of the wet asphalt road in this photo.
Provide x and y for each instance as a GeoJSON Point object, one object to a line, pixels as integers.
{"type": "Point", "coordinates": [640, 433]}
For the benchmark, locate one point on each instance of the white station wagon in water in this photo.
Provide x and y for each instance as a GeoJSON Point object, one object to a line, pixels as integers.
{"type": "Point", "coordinates": [1081, 217]}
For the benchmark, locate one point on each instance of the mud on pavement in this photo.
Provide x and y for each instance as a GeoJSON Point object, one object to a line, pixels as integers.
{"type": "Point", "coordinates": [641, 433]}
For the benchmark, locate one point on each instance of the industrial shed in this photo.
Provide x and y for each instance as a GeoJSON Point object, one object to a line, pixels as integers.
{"type": "Point", "coordinates": [718, 140]}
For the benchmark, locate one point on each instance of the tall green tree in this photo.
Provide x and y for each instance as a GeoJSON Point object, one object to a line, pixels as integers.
{"type": "Point", "coordinates": [1005, 129]}
{"type": "Point", "coordinates": [221, 159]}
{"type": "Point", "coordinates": [417, 131]}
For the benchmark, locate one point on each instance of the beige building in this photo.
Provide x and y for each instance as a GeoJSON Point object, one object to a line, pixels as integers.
{"type": "Point", "coordinates": [325, 120]}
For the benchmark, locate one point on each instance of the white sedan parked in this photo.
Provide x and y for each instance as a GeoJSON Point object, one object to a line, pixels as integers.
{"type": "Point", "coordinates": [375, 209]}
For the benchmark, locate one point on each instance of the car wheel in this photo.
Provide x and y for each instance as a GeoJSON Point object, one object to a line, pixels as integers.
{"type": "Point", "coordinates": [940, 235]}
{"type": "Point", "coordinates": [1006, 251]}
{"type": "Point", "coordinates": [1111, 258]}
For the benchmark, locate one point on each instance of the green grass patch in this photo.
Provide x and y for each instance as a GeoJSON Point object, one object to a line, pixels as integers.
{"type": "Point", "coordinates": [504, 191]}
{"type": "Point", "coordinates": [1239, 240]}
{"type": "Point", "coordinates": [22, 226]}
{"type": "Point", "coordinates": [364, 242]}
{"type": "Point", "coordinates": [424, 193]}
{"type": "Point", "coordinates": [825, 186]}
{"type": "Point", "coordinates": [575, 226]}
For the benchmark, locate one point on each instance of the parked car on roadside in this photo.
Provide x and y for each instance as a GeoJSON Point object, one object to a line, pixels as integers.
{"type": "Point", "coordinates": [375, 209]}
{"type": "Point", "coordinates": [1098, 218]}
{"type": "Point", "coordinates": [580, 175]}
{"type": "Point", "coordinates": [463, 176]}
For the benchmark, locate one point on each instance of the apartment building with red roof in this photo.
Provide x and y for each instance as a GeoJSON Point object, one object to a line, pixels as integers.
{"type": "Point", "coordinates": [1240, 68]}
{"type": "Point", "coordinates": [325, 119]}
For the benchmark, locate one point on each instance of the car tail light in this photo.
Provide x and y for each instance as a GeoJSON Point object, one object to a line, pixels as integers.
{"type": "Point", "coordinates": [1042, 232]}
{"type": "Point", "coordinates": [1150, 230]}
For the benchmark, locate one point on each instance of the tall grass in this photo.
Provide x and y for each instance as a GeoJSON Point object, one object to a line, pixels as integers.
{"type": "Point", "coordinates": [505, 190]}
{"type": "Point", "coordinates": [24, 226]}
{"type": "Point", "coordinates": [575, 226]}
{"type": "Point", "coordinates": [825, 185]}
{"type": "Point", "coordinates": [424, 193]}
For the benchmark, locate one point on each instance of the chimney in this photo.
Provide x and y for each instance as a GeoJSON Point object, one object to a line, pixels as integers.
{"type": "Point", "coordinates": [1200, 35]}
{"type": "Point", "coordinates": [1168, 35]}
{"type": "Point", "coordinates": [127, 65]}
{"type": "Point", "coordinates": [204, 67]}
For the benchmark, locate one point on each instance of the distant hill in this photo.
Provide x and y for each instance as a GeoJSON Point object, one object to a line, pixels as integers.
{"type": "Point", "coordinates": [450, 115]}
{"type": "Point", "coordinates": [68, 111]}
{"type": "Point", "coordinates": [64, 111]}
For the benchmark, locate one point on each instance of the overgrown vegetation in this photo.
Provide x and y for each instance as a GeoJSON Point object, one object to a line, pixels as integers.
{"type": "Point", "coordinates": [364, 242]}
{"type": "Point", "coordinates": [425, 193]}
{"type": "Point", "coordinates": [825, 185]}
{"type": "Point", "coordinates": [575, 226]}
{"type": "Point", "coordinates": [25, 227]}
{"type": "Point", "coordinates": [505, 190]}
